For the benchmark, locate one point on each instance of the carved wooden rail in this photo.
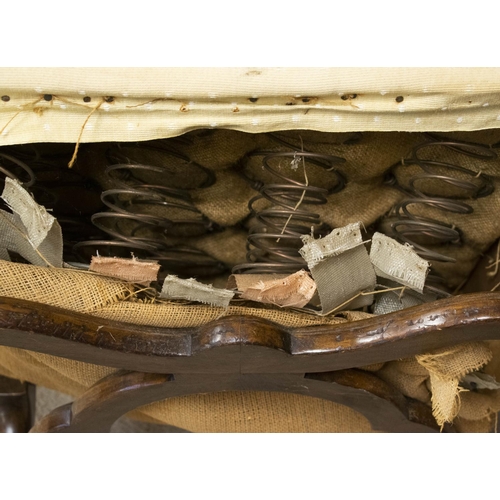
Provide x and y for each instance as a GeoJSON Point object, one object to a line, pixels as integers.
{"type": "Point", "coordinates": [244, 353]}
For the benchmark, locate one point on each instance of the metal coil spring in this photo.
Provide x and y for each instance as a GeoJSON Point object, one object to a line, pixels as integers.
{"type": "Point", "coordinates": [419, 231]}
{"type": "Point", "coordinates": [275, 237]}
{"type": "Point", "coordinates": [149, 235]}
{"type": "Point", "coordinates": [12, 167]}
{"type": "Point", "coordinates": [181, 171]}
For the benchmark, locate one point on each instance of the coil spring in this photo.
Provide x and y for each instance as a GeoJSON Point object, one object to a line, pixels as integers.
{"type": "Point", "coordinates": [420, 231]}
{"type": "Point", "coordinates": [181, 171]}
{"type": "Point", "coordinates": [133, 227]}
{"type": "Point", "coordinates": [275, 238]}
{"type": "Point", "coordinates": [11, 166]}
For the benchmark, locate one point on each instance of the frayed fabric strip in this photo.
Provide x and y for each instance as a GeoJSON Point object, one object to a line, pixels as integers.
{"type": "Point", "coordinates": [337, 242]}
{"type": "Point", "coordinates": [35, 218]}
{"type": "Point", "coordinates": [30, 230]}
{"type": "Point", "coordinates": [131, 270]}
{"type": "Point", "coordinates": [398, 262]}
{"type": "Point", "coordinates": [295, 290]}
{"type": "Point", "coordinates": [194, 291]}
{"type": "Point", "coordinates": [341, 268]}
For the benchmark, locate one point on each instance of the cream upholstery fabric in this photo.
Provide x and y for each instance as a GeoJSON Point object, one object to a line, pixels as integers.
{"type": "Point", "coordinates": [151, 103]}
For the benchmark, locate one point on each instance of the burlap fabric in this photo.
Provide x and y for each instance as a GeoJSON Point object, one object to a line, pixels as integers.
{"type": "Point", "coordinates": [367, 155]}
{"type": "Point", "coordinates": [226, 201]}
{"type": "Point", "coordinates": [74, 290]}
{"type": "Point", "coordinates": [112, 299]}
{"type": "Point", "coordinates": [228, 246]}
{"type": "Point", "coordinates": [434, 378]}
{"type": "Point", "coordinates": [81, 291]}
{"type": "Point", "coordinates": [446, 368]}
{"type": "Point", "coordinates": [493, 367]}
{"type": "Point", "coordinates": [217, 149]}
{"type": "Point", "coordinates": [409, 377]}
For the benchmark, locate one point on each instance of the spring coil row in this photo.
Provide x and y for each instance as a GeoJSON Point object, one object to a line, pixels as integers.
{"type": "Point", "coordinates": [275, 235]}
{"type": "Point", "coordinates": [406, 223]}
{"type": "Point", "coordinates": [138, 220]}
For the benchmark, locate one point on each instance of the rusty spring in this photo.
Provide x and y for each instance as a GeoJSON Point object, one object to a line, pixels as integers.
{"type": "Point", "coordinates": [137, 220]}
{"type": "Point", "coordinates": [406, 225]}
{"type": "Point", "coordinates": [275, 236]}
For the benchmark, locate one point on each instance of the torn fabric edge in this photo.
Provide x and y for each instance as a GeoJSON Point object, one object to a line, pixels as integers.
{"type": "Point", "coordinates": [447, 367]}
{"type": "Point", "coordinates": [30, 231]}
{"type": "Point", "coordinates": [338, 241]}
{"type": "Point", "coordinates": [341, 267]}
{"type": "Point", "coordinates": [35, 218]}
{"type": "Point", "coordinates": [295, 290]}
{"type": "Point", "coordinates": [131, 270]}
{"type": "Point", "coordinates": [398, 262]}
{"type": "Point", "coordinates": [192, 290]}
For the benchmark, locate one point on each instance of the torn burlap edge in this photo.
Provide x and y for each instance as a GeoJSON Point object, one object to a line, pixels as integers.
{"type": "Point", "coordinates": [446, 368]}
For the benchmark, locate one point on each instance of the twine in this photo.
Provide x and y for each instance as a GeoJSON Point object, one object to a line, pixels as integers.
{"type": "Point", "coordinates": [77, 145]}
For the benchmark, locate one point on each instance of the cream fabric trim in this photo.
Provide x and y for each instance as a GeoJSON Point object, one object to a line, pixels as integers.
{"type": "Point", "coordinates": [151, 103]}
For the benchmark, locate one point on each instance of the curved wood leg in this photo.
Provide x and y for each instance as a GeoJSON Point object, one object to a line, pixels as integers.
{"type": "Point", "coordinates": [17, 403]}
{"type": "Point", "coordinates": [98, 408]}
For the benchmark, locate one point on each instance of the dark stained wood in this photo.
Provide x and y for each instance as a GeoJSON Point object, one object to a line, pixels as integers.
{"type": "Point", "coordinates": [245, 353]}
{"type": "Point", "coordinates": [239, 344]}
{"type": "Point", "coordinates": [119, 393]}
{"type": "Point", "coordinates": [122, 392]}
{"type": "Point", "coordinates": [413, 410]}
{"type": "Point", "coordinates": [11, 387]}
{"type": "Point", "coordinates": [57, 420]}
{"type": "Point", "coordinates": [16, 405]}
{"type": "Point", "coordinates": [366, 381]}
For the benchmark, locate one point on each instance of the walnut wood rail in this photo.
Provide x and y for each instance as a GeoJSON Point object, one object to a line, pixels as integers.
{"type": "Point", "coordinates": [244, 353]}
{"type": "Point", "coordinates": [117, 394]}
{"type": "Point", "coordinates": [242, 344]}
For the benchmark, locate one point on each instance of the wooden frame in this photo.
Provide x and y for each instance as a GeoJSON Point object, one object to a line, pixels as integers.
{"type": "Point", "coordinates": [244, 353]}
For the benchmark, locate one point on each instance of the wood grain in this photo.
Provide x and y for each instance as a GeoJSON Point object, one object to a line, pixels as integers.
{"type": "Point", "coordinates": [239, 344]}
{"type": "Point", "coordinates": [98, 408]}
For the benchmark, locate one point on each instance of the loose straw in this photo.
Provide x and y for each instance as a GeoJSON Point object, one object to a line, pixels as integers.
{"type": "Point", "coordinates": [302, 196]}
{"type": "Point", "coordinates": [495, 263]}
